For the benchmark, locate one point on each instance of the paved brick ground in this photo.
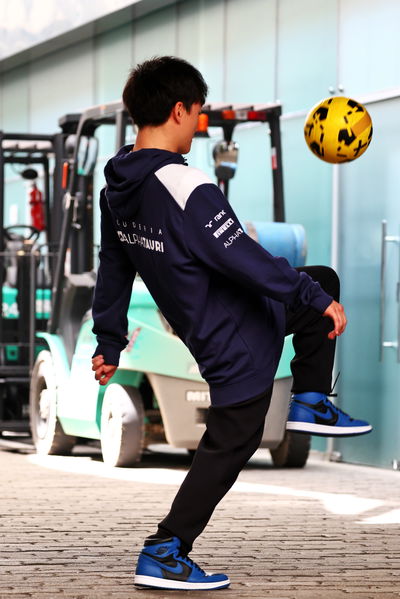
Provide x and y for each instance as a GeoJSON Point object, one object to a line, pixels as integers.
{"type": "Point", "coordinates": [70, 528]}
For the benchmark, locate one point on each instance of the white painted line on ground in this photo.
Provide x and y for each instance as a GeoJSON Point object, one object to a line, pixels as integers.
{"type": "Point", "coordinates": [335, 503]}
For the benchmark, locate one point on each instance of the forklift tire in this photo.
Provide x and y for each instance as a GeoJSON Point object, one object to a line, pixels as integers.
{"type": "Point", "coordinates": [47, 433]}
{"type": "Point", "coordinates": [122, 425]}
{"type": "Point", "coordinates": [293, 451]}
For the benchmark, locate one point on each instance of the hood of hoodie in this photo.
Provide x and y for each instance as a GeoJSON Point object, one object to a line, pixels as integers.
{"type": "Point", "coordinates": [126, 172]}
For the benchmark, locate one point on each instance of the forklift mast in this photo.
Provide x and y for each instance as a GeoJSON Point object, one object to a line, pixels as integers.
{"type": "Point", "coordinates": [77, 224]}
{"type": "Point", "coordinates": [228, 117]}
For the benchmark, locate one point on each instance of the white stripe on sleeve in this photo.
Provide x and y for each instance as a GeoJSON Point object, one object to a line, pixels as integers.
{"type": "Point", "coordinates": [181, 181]}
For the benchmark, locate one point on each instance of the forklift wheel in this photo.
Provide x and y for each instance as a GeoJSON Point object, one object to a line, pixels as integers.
{"type": "Point", "coordinates": [293, 451]}
{"type": "Point", "coordinates": [47, 433]}
{"type": "Point", "coordinates": [122, 425]}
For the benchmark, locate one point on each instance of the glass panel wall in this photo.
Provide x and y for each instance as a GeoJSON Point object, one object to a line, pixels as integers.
{"type": "Point", "coordinates": [307, 51]}
{"type": "Point", "coordinates": [369, 46]}
{"type": "Point", "coordinates": [369, 387]}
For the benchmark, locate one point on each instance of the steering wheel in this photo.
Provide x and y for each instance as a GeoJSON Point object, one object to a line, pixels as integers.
{"type": "Point", "coordinates": [11, 236]}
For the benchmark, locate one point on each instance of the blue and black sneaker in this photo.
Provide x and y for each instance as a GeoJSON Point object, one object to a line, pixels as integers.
{"type": "Point", "coordinates": [162, 565]}
{"type": "Point", "coordinates": [315, 414]}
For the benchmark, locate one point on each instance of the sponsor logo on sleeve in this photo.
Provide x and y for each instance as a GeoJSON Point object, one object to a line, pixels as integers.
{"type": "Point", "coordinates": [224, 227]}
{"type": "Point", "coordinates": [216, 218]}
{"type": "Point", "coordinates": [233, 237]}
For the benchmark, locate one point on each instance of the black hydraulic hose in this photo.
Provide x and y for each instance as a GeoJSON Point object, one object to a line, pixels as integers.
{"type": "Point", "coordinates": [32, 308]}
{"type": "Point", "coordinates": [47, 200]}
{"type": "Point", "coordinates": [57, 288]}
{"type": "Point", "coordinates": [223, 184]}
{"type": "Point", "coordinates": [277, 173]}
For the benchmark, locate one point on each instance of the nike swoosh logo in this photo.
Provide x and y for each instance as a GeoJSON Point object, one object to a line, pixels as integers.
{"type": "Point", "coordinates": [184, 575]}
{"type": "Point", "coordinates": [172, 569]}
{"type": "Point", "coordinates": [323, 414]}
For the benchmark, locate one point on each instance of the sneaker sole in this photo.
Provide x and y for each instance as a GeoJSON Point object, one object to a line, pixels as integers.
{"type": "Point", "coordinates": [165, 583]}
{"type": "Point", "coordinates": [327, 431]}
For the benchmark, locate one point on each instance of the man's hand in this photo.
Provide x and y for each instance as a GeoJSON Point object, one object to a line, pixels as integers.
{"type": "Point", "coordinates": [103, 372]}
{"type": "Point", "coordinates": [336, 312]}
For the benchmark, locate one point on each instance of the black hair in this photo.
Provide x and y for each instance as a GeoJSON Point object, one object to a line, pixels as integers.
{"type": "Point", "coordinates": [156, 85]}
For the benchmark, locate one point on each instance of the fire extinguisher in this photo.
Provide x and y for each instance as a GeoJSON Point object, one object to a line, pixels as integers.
{"type": "Point", "coordinates": [37, 207]}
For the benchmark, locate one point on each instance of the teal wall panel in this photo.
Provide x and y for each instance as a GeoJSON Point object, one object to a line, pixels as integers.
{"type": "Point", "coordinates": [200, 40]}
{"type": "Point", "coordinates": [61, 83]}
{"type": "Point", "coordinates": [188, 31]}
{"type": "Point", "coordinates": [308, 183]}
{"type": "Point", "coordinates": [15, 118]}
{"type": "Point", "coordinates": [369, 46]}
{"type": "Point", "coordinates": [16, 206]}
{"type": "Point", "coordinates": [250, 51]}
{"type": "Point", "coordinates": [15, 114]}
{"type": "Point", "coordinates": [251, 188]}
{"type": "Point", "coordinates": [112, 63]}
{"type": "Point", "coordinates": [155, 35]}
{"type": "Point", "coordinates": [211, 57]}
{"type": "Point", "coordinates": [307, 42]}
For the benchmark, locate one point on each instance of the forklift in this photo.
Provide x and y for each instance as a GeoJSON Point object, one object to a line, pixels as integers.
{"type": "Point", "coordinates": [157, 394]}
{"type": "Point", "coordinates": [28, 253]}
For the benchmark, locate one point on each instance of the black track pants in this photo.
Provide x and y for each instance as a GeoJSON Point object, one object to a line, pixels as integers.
{"type": "Point", "coordinates": [234, 432]}
{"type": "Point", "coordinates": [314, 352]}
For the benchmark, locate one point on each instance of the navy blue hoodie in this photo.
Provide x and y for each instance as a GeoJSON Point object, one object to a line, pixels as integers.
{"type": "Point", "coordinates": [221, 292]}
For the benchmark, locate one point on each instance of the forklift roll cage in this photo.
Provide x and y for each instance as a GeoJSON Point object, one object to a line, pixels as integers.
{"type": "Point", "coordinates": [224, 116]}
{"type": "Point", "coordinates": [27, 149]}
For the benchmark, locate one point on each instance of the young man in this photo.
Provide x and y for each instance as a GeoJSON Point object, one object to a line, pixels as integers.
{"type": "Point", "coordinates": [230, 303]}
